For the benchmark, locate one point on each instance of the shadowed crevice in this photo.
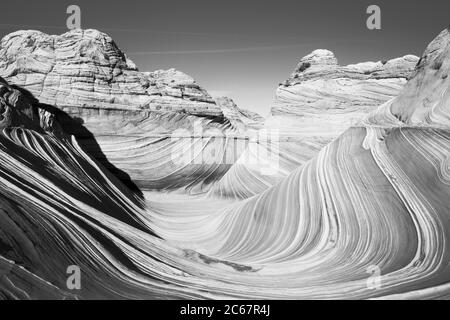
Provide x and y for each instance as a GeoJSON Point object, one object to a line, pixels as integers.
{"type": "Point", "coordinates": [86, 139]}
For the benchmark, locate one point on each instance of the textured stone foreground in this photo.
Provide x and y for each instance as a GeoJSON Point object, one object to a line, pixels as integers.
{"type": "Point", "coordinates": [376, 196]}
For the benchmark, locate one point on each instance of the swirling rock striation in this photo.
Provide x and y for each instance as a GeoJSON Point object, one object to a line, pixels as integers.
{"type": "Point", "coordinates": [319, 101]}
{"type": "Point", "coordinates": [375, 199]}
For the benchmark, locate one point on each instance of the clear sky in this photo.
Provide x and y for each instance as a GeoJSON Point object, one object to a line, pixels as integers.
{"type": "Point", "coordinates": [244, 48]}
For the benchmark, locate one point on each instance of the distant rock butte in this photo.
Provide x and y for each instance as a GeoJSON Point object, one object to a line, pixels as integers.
{"type": "Point", "coordinates": [322, 98]}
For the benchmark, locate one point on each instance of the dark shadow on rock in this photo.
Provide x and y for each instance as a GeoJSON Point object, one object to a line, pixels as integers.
{"type": "Point", "coordinates": [74, 126]}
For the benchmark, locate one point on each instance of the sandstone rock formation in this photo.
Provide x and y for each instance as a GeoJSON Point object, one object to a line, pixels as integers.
{"type": "Point", "coordinates": [321, 98]}
{"type": "Point", "coordinates": [374, 199]}
{"type": "Point", "coordinates": [237, 115]}
{"type": "Point", "coordinates": [428, 106]}
{"type": "Point", "coordinates": [160, 130]}
{"type": "Point", "coordinates": [138, 124]}
{"type": "Point", "coordinates": [319, 101]}
{"type": "Point", "coordinates": [84, 69]}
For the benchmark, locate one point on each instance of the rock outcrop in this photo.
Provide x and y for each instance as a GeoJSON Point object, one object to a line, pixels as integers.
{"type": "Point", "coordinates": [86, 69]}
{"type": "Point", "coordinates": [237, 115]}
{"type": "Point", "coordinates": [321, 98]}
{"type": "Point", "coordinates": [140, 125]}
{"type": "Point", "coordinates": [428, 106]}
{"type": "Point", "coordinates": [374, 201]}
{"type": "Point", "coordinates": [18, 108]}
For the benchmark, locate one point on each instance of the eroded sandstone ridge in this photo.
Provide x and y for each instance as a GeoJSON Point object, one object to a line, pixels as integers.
{"type": "Point", "coordinates": [86, 69]}
{"type": "Point", "coordinates": [428, 106]}
{"type": "Point", "coordinates": [138, 124]}
{"type": "Point", "coordinates": [322, 94]}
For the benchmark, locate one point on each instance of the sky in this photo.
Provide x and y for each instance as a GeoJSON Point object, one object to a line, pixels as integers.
{"type": "Point", "coordinates": [242, 49]}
